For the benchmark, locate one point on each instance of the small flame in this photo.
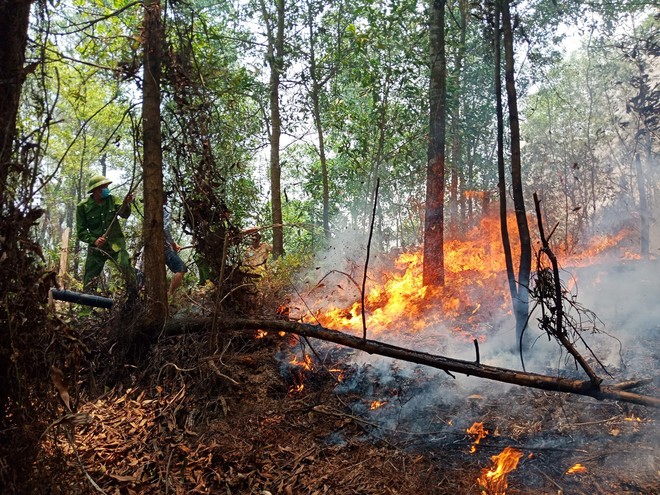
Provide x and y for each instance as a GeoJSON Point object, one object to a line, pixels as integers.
{"type": "Point", "coordinates": [299, 372]}
{"type": "Point", "coordinates": [577, 468]}
{"type": "Point", "coordinates": [261, 334]}
{"type": "Point", "coordinates": [296, 389]}
{"type": "Point", "coordinates": [493, 481]}
{"type": "Point", "coordinates": [479, 432]}
{"type": "Point", "coordinates": [306, 363]}
{"type": "Point", "coordinates": [339, 373]}
{"type": "Point", "coordinates": [633, 418]}
{"type": "Point", "coordinates": [377, 403]}
{"type": "Point", "coordinates": [283, 312]}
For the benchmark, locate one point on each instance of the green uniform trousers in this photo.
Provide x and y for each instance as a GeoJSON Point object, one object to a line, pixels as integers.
{"type": "Point", "coordinates": [96, 259]}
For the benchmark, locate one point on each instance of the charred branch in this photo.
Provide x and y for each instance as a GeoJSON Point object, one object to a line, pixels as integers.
{"type": "Point", "coordinates": [524, 379]}
{"type": "Point", "coordinates": [366, 261]}
{"type": "Point", "coordinates": [558, 330]}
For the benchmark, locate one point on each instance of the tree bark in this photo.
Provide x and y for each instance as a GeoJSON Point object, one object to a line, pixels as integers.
{"type": "Point", "coordinates": [154, 254]}
{"type": "Point", "coordinates": [644, 215]}
{"type": "Point", "coordinates": [531, 380]}
{"type": "Point", "coordinates": [521, 299]}
{"type": "Point", "coordinates": [316, 110]}
{"type": "Point", "coordinates": [501, 172]}
{"type": "Point", "coordinates": [14, 19]}
{"type": "Point", "coordinates": [275, 59]}
{"type": "Point", "coordinates": [434, 259]}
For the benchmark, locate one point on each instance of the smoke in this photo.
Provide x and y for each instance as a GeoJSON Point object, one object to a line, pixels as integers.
{"type": "Point", "coordinates": [615, 304]}
{"type": "Point", "coordinates": [338, 273]}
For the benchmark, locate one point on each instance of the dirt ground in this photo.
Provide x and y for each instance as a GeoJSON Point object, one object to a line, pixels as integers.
{"type": "Point", "coordinates": [241, 418]}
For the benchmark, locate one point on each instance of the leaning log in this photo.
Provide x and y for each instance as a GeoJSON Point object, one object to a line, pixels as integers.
{"type": "Point", "coordinates": [80, 298]}
{"type": "Point", "coordinates": [451, 365]}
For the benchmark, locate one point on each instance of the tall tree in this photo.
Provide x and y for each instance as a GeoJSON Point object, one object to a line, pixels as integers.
{"type": "Point", "coordinates": [29, 336]}
{"type": "Point", "coordinates": [645, 105]}
{"type": "Point", "coordinates": [14, 19]}
{"type": "Point", "coordinates": [154, 255]}
{"type": "Point", "coordinates": [455, 160]}
{"type": "Point", "coordinates": [315, 95]}
{"type": "Point", "coordinates": [501, 172]}
{"type": "Point", "coordinates": [435, 171]}
{"type": "Point", "coordinates": [521, 296]}
{"type": "Point", "coordinates": [275, 59]}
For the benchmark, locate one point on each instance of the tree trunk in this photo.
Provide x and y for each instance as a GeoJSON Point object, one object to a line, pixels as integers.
{"type": "Point", "coordinates": [501, 185]}
{"type": "Point", "coordinates": [316, 109]}
{"type": "Point", "coordinates": [275, 58]}
{"type": "Point", "coordinates": [521, 300]}
{"type": "Point", "coordinates": [154, 254]}
{"type": "Point", "coordinates": [644, 224]}
{"type": "Point", "coordinates": [433, 268]}
{"type": "Point", "coordinates": [14, 19]}
{"type": "Point", "coordinates": [456, 163]}
{"type": "Point", "coordinates": [374, 173]}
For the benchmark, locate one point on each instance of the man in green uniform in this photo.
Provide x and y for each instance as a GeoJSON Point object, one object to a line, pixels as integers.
{"type": "Point", "coordinates": [98, 226]}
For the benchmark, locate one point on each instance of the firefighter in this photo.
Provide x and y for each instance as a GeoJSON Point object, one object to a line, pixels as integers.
{"type": "Point", "coordinates": [97, 225]}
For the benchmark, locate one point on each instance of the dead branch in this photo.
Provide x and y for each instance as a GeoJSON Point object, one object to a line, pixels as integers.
{"type": "Point", "coordinates": [559, 331]}
{"type": "Point", "coordinates": [524, 379]}
{"type": "Point", "coordinates": [366, 261]}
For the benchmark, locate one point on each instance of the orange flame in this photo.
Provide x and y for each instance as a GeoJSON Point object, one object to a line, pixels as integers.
{"type": "Point", "coordinates": [377, 403]}
{"type": "Point", "coordinates": [296, 389]}
{"type": "Point", "coordinates": [577, 468]}
{"type": "Point", "coordinates": [478, 430]}
{"type": "Point", "coordinates": [260, 334]}
{"type": "Point", "coordinates": [299, 372]}
{"type": "Point", "coordinates": [599, 246]}
{"type": "Point", "coordinates": [398, 297]}
{"type": "Point", "coordinates": [494, 481]}
{"type": "Point", "coordinates": [475, 287]}
{"type": "Point", "coordinates": [339, 373]}
{"type": "Point", "coordinates": [306, 363]}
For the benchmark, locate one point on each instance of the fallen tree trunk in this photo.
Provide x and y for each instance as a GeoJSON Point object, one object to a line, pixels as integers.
{"type": "Point", "coordinates": [524, 379]}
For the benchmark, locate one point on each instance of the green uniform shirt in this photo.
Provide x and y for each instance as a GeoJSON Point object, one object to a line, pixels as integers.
{"type": "Point", "coordinates": [93, 219]}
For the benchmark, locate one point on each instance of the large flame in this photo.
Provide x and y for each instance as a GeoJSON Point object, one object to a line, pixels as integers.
{"type": "Point", "coordinates": [494, 481]}
{"type": "Point", "coordinates": [397, 299]}
{"type": "Point", "coordinates": [475, 287]}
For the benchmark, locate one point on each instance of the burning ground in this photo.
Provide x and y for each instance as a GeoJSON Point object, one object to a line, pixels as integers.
{"type": "Point", "coordinates": [234, 423]}
{"type": "Point", "coordinates": [268, 413]}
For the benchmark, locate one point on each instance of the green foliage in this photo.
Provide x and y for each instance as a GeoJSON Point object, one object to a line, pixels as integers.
{"type": "Point", "coordinates": [371, 61]}
{"type": "Point", "coordinates": [582, 137]}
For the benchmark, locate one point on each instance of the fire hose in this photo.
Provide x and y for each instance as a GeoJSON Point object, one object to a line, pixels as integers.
{"type": "Point", "coordinates": [80, 298]}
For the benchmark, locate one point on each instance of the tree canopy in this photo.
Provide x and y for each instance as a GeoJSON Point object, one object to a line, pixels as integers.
{"type": "Point", "coordinates": [313, 124]}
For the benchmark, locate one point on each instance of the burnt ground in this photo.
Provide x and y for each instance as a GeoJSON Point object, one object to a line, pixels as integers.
{"type": "Point", "coordinates": [184, 418]}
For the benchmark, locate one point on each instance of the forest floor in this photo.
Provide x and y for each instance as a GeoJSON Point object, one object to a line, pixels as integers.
{"type": "Point", "coordinates": [256, 415]}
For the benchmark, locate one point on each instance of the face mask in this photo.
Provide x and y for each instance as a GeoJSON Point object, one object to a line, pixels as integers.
{"type": "Point", "coordinates": [105, 192]}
